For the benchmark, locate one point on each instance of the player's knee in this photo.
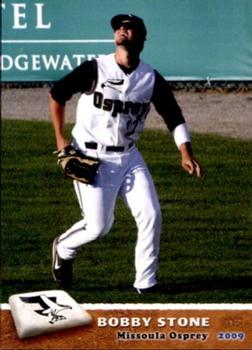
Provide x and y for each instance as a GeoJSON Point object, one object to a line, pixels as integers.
{"type": "Point", "coordinates": [155, 216]}
{"type": "Point", "coordinates": [150, 216]}
{"type": "Point", "coordinates": [99, 230]}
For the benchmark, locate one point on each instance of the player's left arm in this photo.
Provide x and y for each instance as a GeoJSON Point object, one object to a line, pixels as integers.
{"type": "Point", "coordinates": [167, 106]}
{"type": "Point", "coordinates": [182, 138]}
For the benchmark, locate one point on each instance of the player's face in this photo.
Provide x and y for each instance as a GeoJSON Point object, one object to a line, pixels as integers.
{"type": "Point", "coordinates": [126, 33]}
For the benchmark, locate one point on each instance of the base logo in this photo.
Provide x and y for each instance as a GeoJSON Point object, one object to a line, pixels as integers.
{"type": "Point", "coordinates": [49, 305]}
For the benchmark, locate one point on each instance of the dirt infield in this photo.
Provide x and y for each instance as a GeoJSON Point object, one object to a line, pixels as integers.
{"type": "Point", "coordinates": [158, 333]}
{"type": "Point", "coordinates": [222, 113]}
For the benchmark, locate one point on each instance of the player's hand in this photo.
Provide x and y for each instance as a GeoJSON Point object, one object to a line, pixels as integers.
{"type": "Point", "coordinates": [192, 166]}
{"type": "Point", "coordinates": [188, 162]}
{"type": "Point", "coordinates": [62, 143]}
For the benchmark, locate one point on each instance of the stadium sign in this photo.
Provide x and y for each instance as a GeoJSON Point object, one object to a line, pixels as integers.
{"type": "Point", "coordinates": [43, 40]}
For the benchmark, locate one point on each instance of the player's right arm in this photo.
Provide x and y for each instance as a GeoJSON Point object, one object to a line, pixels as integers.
{"type": "Point", "coordinates": [58, 121]}
{"type": "Point", "coordinates": [82, 79]}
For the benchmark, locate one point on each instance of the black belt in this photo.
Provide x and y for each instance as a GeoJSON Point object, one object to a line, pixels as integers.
{"type": "Point", "coordinates": [94, 145]}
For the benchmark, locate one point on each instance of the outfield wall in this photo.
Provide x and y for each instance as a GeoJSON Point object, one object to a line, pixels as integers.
{"type": "Point", "coordinates": [187, 39]}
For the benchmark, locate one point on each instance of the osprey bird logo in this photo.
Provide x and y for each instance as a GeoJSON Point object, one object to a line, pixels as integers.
{"type": "Point", "coordinates": [49, 305]}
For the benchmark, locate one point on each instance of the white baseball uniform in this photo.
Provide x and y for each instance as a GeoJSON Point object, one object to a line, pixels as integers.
{"type": "Point", "coordinates": [110, 117]}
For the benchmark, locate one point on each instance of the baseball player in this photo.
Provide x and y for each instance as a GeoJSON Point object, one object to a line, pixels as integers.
{"type": "Point", "coordinates": [116, 93]}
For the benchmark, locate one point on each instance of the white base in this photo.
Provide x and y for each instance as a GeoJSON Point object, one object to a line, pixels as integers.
{"type": "Point", "coordinates": [44, 312]}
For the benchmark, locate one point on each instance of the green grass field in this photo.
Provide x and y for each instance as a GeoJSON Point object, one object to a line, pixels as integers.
{"type": "Point", "coordinates": [206, 245]}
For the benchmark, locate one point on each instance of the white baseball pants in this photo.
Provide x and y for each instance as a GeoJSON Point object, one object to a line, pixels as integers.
{"type": "Point", "coordinates": [125, 175]}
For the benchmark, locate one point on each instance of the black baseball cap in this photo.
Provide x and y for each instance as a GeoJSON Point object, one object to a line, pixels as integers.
{"type": "Point", "coordinates": [138, 23]}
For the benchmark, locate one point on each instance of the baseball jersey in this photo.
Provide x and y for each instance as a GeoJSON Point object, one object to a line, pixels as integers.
{"type": "Point", "coordinates": [114, 104]}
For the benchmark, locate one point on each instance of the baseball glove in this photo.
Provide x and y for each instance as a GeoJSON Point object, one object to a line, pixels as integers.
{"type": "Point", "coordinates": [76, 165]}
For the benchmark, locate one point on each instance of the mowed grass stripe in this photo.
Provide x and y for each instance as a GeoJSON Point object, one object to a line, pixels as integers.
{"type": "Point", "coordinates": [206, 242]}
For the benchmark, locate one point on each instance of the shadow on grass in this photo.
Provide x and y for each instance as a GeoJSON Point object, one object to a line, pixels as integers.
{"type": "Point", "coordinates": [121, 293]}
{"type": "Point", "coordinates": [201, 285]}
{"type": "Point", "coordinates": [192, 286]}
